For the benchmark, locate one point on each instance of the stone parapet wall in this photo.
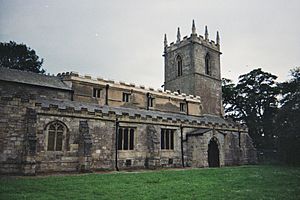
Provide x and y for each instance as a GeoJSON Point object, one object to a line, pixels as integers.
{"type": "Point", "coordinates": [111, 93]}
{"type": "Point", "coordinates": [74, 76]}
{"type": "Point", "coordinates": [196, 39]}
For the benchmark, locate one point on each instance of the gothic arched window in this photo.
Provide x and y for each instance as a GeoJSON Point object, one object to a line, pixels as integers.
{"type": "Point", "coordinates": [207, 65]}
{"type": "Point", "coordinates": [56, 132]}
{"type": "Point", "coordinates": [179, 65]}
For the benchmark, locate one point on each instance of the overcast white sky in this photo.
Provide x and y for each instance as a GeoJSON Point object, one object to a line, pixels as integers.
{"type": "Point", "coordinates": [123, 40]}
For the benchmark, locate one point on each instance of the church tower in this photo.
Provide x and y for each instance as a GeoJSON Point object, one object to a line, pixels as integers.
{"type": "Point", "coordinates": [192, 66]}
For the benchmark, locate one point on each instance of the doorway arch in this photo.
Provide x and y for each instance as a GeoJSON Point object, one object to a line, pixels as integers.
{"type": "Point", "coordinates": [213, 153]}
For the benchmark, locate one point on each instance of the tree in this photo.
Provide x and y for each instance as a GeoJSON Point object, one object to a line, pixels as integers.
{"type": "Point", "coordinates": [228, 95]}
{"type": "Point", "coordinates": [253, 101]}
{"type": "Point", "coordinates": [21, 57]}
{"type": "Point", "coordinates": [288, 119]}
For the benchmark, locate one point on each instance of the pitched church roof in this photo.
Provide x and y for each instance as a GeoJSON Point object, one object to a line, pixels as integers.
{"type": "Point", "coordinates": [18, 76]}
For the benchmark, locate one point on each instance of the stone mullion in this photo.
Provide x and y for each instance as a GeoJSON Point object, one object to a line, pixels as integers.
{"type": "Point", "coordinates": [123, 135]}
{"type": "Point", "coordinates": [170, 137]}
{"type": "Point", "coordinates": [55, 133]}
{"type": "Point", "coordinates": [165, 135]}
{"type": "Point", "coordinates": [62, 139]}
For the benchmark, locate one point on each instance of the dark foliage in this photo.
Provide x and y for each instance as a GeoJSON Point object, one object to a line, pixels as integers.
{"type": "Point", "coordinates": [273, 124]}
{"type": "Point", "coordinates": [21, 57]}
{"type": "Point", "coordinates": [253, 101]}
{"type": "Point", "coordinates": [288, 120]}
{"type": "Point", "coordinates": [229, 96]}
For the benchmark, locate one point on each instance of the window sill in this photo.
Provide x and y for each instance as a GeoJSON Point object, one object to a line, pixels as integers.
{"type": "Point", "coordinates": [54, 152]}
{"type": "Point", "coordinates": [125, 150]}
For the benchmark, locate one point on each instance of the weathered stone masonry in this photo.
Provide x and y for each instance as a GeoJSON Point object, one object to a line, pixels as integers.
{"type": "Point", "coordinates": [91, 138]}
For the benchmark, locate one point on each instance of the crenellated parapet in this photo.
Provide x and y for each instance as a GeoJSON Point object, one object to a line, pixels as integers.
{"type": "Point", "coordinates": [93, 111]}
{"type": "Point", "coordinates": [75, 76]}
{"type": "Point", "coordinates": [121, 94]}
{"type": "Point", "coordinates": [86, 110]}
{"type": "Point", "coordinates": [193, 38]}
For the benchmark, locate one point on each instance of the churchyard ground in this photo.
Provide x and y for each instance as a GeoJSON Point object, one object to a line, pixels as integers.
{"type": "Point", "coordinates": [242, 182]}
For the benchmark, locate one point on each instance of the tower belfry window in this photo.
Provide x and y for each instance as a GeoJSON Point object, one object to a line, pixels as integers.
{"type": "Point", "coordinates": [207, 65]}
{"type": "Point", "coordinates": [179, 65]}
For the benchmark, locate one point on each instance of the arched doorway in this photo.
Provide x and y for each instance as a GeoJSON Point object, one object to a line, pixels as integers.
{"type": "Point", "coordinates": [213, 153]}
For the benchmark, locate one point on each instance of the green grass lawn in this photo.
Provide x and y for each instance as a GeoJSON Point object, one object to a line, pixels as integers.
{"type": "Point", "coordinates": [245, 182]}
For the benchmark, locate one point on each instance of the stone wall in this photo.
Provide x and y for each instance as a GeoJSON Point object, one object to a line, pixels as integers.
{"type": "Point", "coordinates": [13, 132]}
{"type": "Point", "coordinates": [89, 140]}
{"type": "Point", "coordinates": [211, 94]}
{"type": "Point", "coordinates": [198, 148]}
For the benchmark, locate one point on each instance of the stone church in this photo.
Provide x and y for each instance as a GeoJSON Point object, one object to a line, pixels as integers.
{"type": "Point", "coordinates": [75, 123]}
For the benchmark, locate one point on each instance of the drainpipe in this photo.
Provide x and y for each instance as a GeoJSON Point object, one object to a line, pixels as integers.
{"type": "Point", "coordinates": [181, 142]}
{"type": "Point", "coordinates": [106, 94]}
{"type": "Point", "coordinates": [239, 139]}
{"type": "Point", "coordinates": [148, 95]}
{"type": "Point", "coordinates": [187, 106]}
{"type": "Point", "coordinates": [72, 95]}
{"type": "Point", "coordinates": [116, 144]}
